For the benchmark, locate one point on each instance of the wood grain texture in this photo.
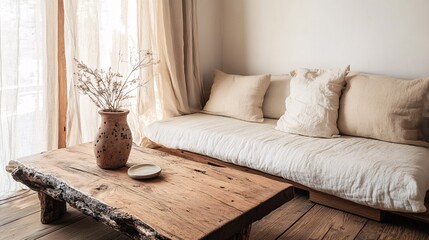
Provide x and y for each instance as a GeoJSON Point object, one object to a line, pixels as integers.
{"type": "Point", "coordinates": [399, 228]}
{"type": "Point", "coordinates": [21, 228]}
{"type": "Point", "coordinates": [346, 226]}
{"type": "Point", "coordinates": [19, 212]}
{"type": "Point", "coordinates": [371, 230]}
{"type": "Point", "coordinates": [87, 228]}
{"type": "Point", "coordinates": [62, 79]}
{"type": "Point", "coordinates": [190, 200]}
{"type": "Point", "coordinates": [7, 197]}
{"type": "Point", "coordinates": [342, 204]}
{"type": "Point", "coordinates": [281, 219]}
{"type": "Point", "coordinates": [18, 208]}
{"type": "Point", "coordinates": [325, 223]}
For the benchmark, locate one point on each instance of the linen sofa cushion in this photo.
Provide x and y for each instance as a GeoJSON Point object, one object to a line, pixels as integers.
{"type": "Point", "coordinates": [274, 101]}
{"type": "Point", "coordinates": [237, 96]}
{"type": "Point", "coordinates": [383, 108]}
{"type": "Point", "coordinates": [312, 106]}
{"type": "Point", "coordinates": [378, 174]}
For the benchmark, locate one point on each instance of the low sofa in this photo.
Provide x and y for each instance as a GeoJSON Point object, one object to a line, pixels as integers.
{"type": "Point", "coordinates": [376, 174]}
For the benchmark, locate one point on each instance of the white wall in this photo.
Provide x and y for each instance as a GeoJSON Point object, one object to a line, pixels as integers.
{"type": "Point", "coordinates": [377, 36]}
{"type": "Point", "coordinates": [210, 38]}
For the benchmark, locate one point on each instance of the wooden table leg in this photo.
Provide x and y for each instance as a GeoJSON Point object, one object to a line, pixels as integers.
{"type": "Point", "coordinates": [51, 209]}
{"type": "Point", "coordinates": [243, 234]}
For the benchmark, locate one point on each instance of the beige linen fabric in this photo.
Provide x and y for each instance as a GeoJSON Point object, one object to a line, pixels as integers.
{"type": "Point", "coordinates": [274, 101]}
{"type": "Point", "coordinates": [237, 96]}
{"type": "Point", "coordinates": [177, 44]}
{"type": "Point", "coordinates": [312, 106]}
{"type": "Point", "coordinates": [383, 108]}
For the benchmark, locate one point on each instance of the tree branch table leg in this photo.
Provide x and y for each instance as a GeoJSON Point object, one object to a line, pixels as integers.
{"type": "Point", "coordinates": [51, 209]}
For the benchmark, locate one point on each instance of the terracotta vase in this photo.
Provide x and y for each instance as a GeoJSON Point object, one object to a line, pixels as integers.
{"type": "Point", "coordinates": [113, 142]}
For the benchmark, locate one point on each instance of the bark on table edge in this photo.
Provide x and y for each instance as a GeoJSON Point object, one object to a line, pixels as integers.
{"type": "Point", "coordinates": [60, 191]}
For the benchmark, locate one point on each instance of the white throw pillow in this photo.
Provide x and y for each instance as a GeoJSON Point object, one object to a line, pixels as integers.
{"type": "Point", "coordinates": [274, 101]}
{"type": "Point", "coordinates": [312, 106]}
{"type": "Point", "coordinates": [237, 96]}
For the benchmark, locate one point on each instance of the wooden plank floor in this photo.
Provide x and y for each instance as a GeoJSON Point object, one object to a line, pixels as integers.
{"type": "Point", "coordinates": [297, 219]}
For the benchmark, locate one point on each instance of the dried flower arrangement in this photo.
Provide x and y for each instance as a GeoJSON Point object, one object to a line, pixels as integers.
{"type": "Point", "coordinates": [107, 89]}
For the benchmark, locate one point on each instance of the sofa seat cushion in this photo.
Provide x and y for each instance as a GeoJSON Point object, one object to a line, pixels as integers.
{"type": "Point", "coordinates": [378, 174]}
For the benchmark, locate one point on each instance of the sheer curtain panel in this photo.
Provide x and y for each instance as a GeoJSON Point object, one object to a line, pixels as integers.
{"type": "Point", "coordinates": [28, 82]}
{"type": "Point", "coordinates": [97, 31]}
{"type": "Point", "coordinates": [102, 34]}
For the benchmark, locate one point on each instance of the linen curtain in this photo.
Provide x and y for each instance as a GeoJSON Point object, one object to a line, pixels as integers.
{"type": "Point", "coordinates": [28, 82]}
{"type": "Point", "coordinates": [96, 31]}
{"type": "Point", "coordinates": [178, 47]}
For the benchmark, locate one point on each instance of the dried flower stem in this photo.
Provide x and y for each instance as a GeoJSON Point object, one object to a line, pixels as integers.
{"type": "Point", "coordinates": [106, 89]}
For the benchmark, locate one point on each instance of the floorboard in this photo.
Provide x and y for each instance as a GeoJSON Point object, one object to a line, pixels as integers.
{"type": "Point", "coordinates": [345, 226]}
{"type": "Point", "coordinates": [297, 219]}
{"type": "Point", "coordinates": [371, 230]}
{"type": "Point", "coordinates": [86, 228]}
{"type": "Point", "coordinates": [400, 228]}
{"type": "Point", "coordinates": [325, 223]}
{"type": "Point", "coordinates": [30, 227]}
{"type": "Point", "coordinates": [20, 194]}
{"type": "Point", "coordinates": [19, 208]}
{"type": "Point", "coordinates": [268, 227]}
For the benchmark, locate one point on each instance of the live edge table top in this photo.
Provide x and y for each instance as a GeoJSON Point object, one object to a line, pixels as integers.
{"type": "Point", "coordinates": [189, 200]}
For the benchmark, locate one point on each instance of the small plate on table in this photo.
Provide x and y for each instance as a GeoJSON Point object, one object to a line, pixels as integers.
{"type": "Point", "coordinates": [144, 171]}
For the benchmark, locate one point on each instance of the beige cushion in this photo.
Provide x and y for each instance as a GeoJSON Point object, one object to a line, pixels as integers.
{"type": "Point", "coordinates": [274, 101]}
{"type": "Point", "coordinates": [237, 96]}
{"type": "Point", "coordinates": [383, 108]}
{"type": "Point", "coordinates": [312, 106]}
{"type": "Point", "coordinates": [425, 125]}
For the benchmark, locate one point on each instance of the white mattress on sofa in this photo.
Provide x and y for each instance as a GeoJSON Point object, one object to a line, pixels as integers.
{"type": "Point", "coordinates": [382, 175]}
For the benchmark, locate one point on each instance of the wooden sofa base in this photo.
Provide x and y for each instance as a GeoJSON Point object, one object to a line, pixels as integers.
{"type": "Point", "coordinates": [345, 205]}
{"type": "Point", "coordinates": [314, 196]}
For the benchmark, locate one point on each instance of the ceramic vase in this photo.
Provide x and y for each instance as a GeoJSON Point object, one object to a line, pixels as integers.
{"type": "Point", "coordinates": [113, 142]}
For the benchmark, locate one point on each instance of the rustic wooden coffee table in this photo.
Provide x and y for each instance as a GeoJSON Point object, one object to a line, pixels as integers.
{"type": "Point", "coordinates": [189, 200]}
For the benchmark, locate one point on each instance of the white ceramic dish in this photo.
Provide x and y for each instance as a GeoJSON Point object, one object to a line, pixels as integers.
{"type": "Point", "coordinates": [144, 171]}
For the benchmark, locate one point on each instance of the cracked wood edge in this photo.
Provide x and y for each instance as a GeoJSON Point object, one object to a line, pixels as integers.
{"type": "Point", "coordinates": [60, 191]}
